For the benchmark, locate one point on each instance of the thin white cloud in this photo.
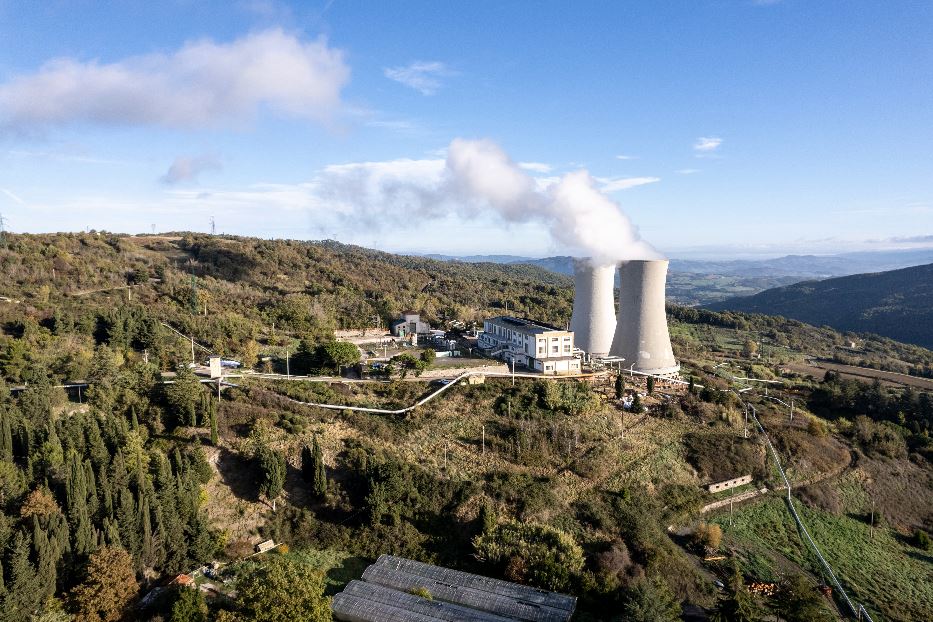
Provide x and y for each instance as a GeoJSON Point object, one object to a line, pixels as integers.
{"type": "Point", "coordinates": [189, 168]}
{"type": "Point", "coordinates": [626, 157]}
{"type": "Point", "coordinates": [202, 84]}
{"type": "Point", "coordinates": [535, 167]}
{"type": "Point", "coordinates": [624, 183]}
{"type": "Point", "coordinates": [423, 76]}
{"type": "Point", "coordinates": [61, 156]}
{"type": "Point", "coordinates": [397, 125]}
{"type": "Point", "coordinates": [707, 144]}
{"type": "Point", "coordinates": [688, 171]}
{"type": "Point", "coordinates": [12, 195]}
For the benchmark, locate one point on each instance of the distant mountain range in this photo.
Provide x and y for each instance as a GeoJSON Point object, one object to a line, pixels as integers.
{"type": "Point", "coordinates": [897, 303]}
{"type": "Point", "coordinates": [804, 266]}
{"type": "Point", "coordinates": [697, 282]}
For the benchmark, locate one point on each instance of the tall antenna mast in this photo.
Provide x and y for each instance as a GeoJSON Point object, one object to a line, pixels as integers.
{"type": "Point", "coordinates": [2, 229]}
{"type": "Point", "coordinates": [213, 226]}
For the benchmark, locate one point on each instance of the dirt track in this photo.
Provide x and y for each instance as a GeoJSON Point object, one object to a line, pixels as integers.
{"type": "Point", "coordinates": [817, 368]}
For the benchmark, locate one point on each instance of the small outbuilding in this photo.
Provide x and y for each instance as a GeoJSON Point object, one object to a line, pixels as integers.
{"type": "Point", "coordinates": [410, 324]}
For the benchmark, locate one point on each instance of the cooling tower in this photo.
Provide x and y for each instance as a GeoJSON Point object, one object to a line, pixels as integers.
{"type": "Point", "coordinates": [593, 321]}
{"type": "Point", "coordinates": [641, 335]}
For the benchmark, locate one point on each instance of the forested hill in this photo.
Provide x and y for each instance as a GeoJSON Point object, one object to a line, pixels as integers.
{"type": "Point", "coordinates": [897, 304]}
{"type": "Point", "coordinates": [245, 283]}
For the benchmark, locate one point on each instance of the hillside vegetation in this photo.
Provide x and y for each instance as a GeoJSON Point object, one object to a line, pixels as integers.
{"type": "Point", "coordinates": [897, 304]}
{"type": "Point", "coordinates": [111, 493]}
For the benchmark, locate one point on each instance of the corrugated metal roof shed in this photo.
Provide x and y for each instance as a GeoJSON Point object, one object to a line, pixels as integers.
{"type": "Point", "coordinates": [385, 595]}
{"type": "Point", "coordinates": [434, 609]}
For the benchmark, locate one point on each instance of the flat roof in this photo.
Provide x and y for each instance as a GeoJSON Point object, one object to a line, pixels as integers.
{"type": "Point", "coordinates": [525, 324]}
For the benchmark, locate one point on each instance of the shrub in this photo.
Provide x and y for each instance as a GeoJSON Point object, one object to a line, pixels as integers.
{"type": "Point", "coordinates": [817, 427]}
{"type": "Point", "coordinates": [707, 537]}
{"type": "Point", "coordinates": [542, 555]}
{"type": "Point", "coordinates": [922, 540]}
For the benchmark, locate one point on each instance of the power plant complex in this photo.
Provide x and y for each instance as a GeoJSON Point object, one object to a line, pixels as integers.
{"type": "Point", "coordinates": [635, 337]}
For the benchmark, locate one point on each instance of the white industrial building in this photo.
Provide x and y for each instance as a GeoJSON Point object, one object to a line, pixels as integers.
{"type": "Point", "coordinates": [537, 346]}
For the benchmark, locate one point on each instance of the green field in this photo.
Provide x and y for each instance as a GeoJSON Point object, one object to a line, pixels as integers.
{"type": "Point", "coordinates": [871, 569]}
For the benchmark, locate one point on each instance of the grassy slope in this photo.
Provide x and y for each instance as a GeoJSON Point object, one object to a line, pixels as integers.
{"type": "Point", "coordinates": [887, 574]}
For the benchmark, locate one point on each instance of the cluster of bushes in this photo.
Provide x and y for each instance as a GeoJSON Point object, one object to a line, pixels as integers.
{"type": "Point", "coordinates": [531, 553]}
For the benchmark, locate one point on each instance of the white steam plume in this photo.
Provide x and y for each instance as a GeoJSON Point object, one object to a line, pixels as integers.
{"type": "Point", "coordinates": [477, 177]}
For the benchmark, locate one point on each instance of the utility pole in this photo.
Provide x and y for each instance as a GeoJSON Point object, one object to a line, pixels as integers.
{"type": "Point", "coordinates": [192, 349]}
{"type": "Point", "coordinates": [791, 410]}
{"type": "Point", "coordinates": [871, 523]}
{"type": "Point", "coordinates": [513, 371]}
{"type": "Point", "coordinates": [2, 229]}
{"type": "Point", "coordinates": [484, 439]}
{"type": "Point", "coordinates": [288, 371]}
{"type": "Point", "coordinates": [746, 422]}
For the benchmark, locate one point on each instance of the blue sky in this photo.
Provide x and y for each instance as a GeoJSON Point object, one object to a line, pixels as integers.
{"type": "Point", "coordinates": [724, 128]}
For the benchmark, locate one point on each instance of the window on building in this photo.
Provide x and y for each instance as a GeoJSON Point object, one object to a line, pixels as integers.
{"type": "Point", "coordinates": [566, 348]}
{"type": "Point", "coordinates": [555, 349]}
{"type": "Point", "coordinates": [541, 350]}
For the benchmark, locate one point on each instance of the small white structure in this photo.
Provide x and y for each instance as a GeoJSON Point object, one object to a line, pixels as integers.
{"type": "Point", "coordinates": [409, 324]}
{"type": "Point", "coordinates": [262, 547]}
{"type": "Point", "coordinates": [730, 483]}
{"type": "Point", "coordinates": [537, 346]}
{"type": "Point", "coordinates": [215, 365]}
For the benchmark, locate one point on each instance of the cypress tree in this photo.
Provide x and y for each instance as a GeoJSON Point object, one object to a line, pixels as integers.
{"type": "Point", "coordinates": [6, 436]}
{"type": "Point", "coordinates": [128, 521]}
{"type": "Point", "coordinates": [106, 493]}
{"type": "Point", "coordinates": [22, 598]}
{"type": "Point", "coordinates": [47, 560]}
{"type": "Point", "coordinates": [99, 454]}
{"type": "Point", "coordinates": [93, 503]}
{"type": "Point", "coordinates": [134, 421]}
{"type": "Point", "coordinates": [146, 544]}
{"type": "Point", "coordinates": [319, 480]}
{"type": "Point", "coordinates": [650, 384]}
{"type": "Point", "coordinates": [75, 489]}
{"type": "Point", "coordinates": [272, 466]}
{"type": "Point", "coordinates": [213, 415]}
{"type": "Point", "coordinates": [636, 404]}
{"type": "Point", "coordinates": [307, 463]}
{"type": "Point", "coordinates": [620, 386]}
{"type": "Point", "coordinates": [111, 533]}
{"type": "Point", "coordinates": [85, 539]}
